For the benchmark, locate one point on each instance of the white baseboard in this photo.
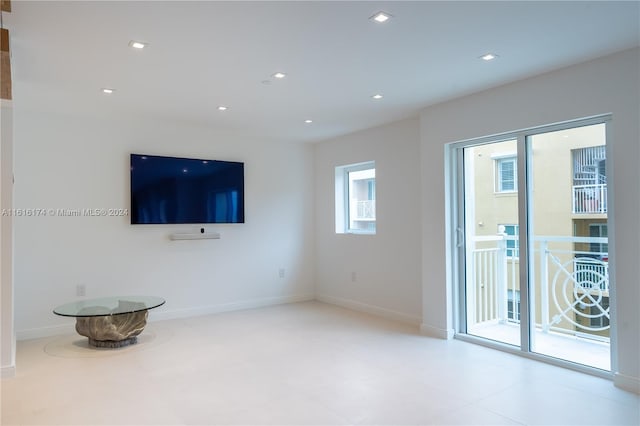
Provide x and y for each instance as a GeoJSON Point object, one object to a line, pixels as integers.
{"type": "Point", "coordinates": [7, 372]}
{"type": "Point", "coordinates": [53, 330]}
{"type": "Point", "coordinates": [440, 333]}
{"type": "Point", "coordinates": [56, 330]}
{"type": "Point", "coordinates": [628, 383]}
{"type": "Point", "coordinates": [370, 309]}
{"type": "Point", "coordinates": [227, 307]}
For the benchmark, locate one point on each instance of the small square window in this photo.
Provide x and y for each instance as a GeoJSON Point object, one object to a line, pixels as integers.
{"type": "Point", "coordinates": [356, 198]}
{"type": "Point", "coordinates": [512, 242]}
{"type": "Point", "coordinates": [599, 313]}
{"type": "Point", "coordinates": [506, 174]}
{"type": "Point", "coordinates": [513, 305]}
{"type": "Point", "coordinates": [598, 230]}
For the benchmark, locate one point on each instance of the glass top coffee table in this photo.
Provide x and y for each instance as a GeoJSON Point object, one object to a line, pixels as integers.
{"type": "Point", "coordinates": [110, 322]}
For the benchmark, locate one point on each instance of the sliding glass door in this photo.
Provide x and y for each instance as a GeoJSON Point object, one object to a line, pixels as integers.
{"type": "Point", "coordinates": [533, 260]}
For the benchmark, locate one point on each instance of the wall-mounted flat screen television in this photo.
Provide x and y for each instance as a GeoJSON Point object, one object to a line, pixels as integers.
{"type": "Point", "coordinates": [186, 190]}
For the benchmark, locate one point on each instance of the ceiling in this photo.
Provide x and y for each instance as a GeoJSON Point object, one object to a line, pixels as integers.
{"type": "Point", "coordinates": [205, 54]}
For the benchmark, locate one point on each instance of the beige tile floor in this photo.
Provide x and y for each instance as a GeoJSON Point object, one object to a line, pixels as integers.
{"type": "Point", "coordinates": [298, 364]}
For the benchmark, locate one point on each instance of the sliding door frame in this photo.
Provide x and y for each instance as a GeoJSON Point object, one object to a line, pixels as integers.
{"type": "Point", "coordinates": [454, 164]}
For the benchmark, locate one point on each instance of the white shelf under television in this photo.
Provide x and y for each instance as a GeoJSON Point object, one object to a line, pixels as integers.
{"type": "Point", "coordinates": [195, 236]}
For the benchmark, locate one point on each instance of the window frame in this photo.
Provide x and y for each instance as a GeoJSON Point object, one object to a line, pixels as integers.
{"type": "Point", "coordinates": [602, 228]}
{"type": "Point", "coordinates": [499, 181]}
{"type": "Point", "coordinates": [342, 193]}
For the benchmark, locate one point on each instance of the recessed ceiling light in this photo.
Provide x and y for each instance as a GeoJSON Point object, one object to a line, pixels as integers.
{"type": "Point", "coordinates": [222, 108]}
{"type": "Point", "coordinates": [107, 90]}
{"type": "Point", "coordinates": [279, 75]}
{"type": "Point", "coordinates": [380, 17]}
{"type": "Point", "coordinates": [489, 57]}
{"type": "Point", "coordinates": [138, 44]}
{"type": "Point", "coordinates": [308, 121]}
{"type": "Point", "coordinates": [377, 96]}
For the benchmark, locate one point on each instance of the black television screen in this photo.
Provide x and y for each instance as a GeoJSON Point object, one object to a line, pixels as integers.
{"type": "Point", "coordinates": [186, 190]}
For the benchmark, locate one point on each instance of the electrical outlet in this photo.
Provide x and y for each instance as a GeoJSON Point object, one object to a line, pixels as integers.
{"type": "Point", "coordinates": [81, 290]}
{"type": "Point", "coordinates": [281, 272]}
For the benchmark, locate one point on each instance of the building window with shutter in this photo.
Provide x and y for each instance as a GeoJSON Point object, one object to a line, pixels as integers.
{"type": "Point", "coordinates": [506, 175]}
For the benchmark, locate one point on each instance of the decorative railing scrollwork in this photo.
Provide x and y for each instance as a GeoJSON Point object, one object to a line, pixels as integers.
{"type": "Point", "coordinates": [578, 289]}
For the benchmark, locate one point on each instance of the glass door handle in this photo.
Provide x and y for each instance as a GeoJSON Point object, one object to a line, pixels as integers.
{"type": "Point", "coordinates": [459, 237]}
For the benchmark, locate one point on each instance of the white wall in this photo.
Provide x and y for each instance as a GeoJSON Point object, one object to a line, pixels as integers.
{"type": "Point", "coordinates": [605, 85]}
{"type": "Point", "coordinates": [80, 162]}
{"type": "Point", "coordinates": [7, 334]}
{"type": "Point", "coordinates": [387, 264]}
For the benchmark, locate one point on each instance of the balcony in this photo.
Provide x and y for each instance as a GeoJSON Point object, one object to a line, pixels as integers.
{"type": "Point", "coordinates": [590, 199]}
{"type": "Point", "coordinates": [569, 297]}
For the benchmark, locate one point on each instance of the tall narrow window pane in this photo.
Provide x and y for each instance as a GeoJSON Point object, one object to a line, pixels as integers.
{"type": "Point", "coordinates": [570, 260]}
{"type": "Point", "coordinates": [491, 239]}
{"type": "Point", "coordinates": [362, 202]}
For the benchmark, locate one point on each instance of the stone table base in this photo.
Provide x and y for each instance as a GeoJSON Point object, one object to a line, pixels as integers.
{"type": "Point", "coordinates": [113, 343]}
{"type": "Point", "coordinates": [112, 331]}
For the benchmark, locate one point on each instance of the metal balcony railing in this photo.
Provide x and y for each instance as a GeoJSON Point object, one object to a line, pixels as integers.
{"type": "Point", "coordinates": [589, 199]}
{"type": "Point", "coordinates": [365, 209]}
{"type": "Point", "coordinates": [570, 292]}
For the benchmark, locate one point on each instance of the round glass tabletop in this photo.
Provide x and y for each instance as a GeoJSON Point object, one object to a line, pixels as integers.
{"type": "Point", "coordinates": [105, 306]}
